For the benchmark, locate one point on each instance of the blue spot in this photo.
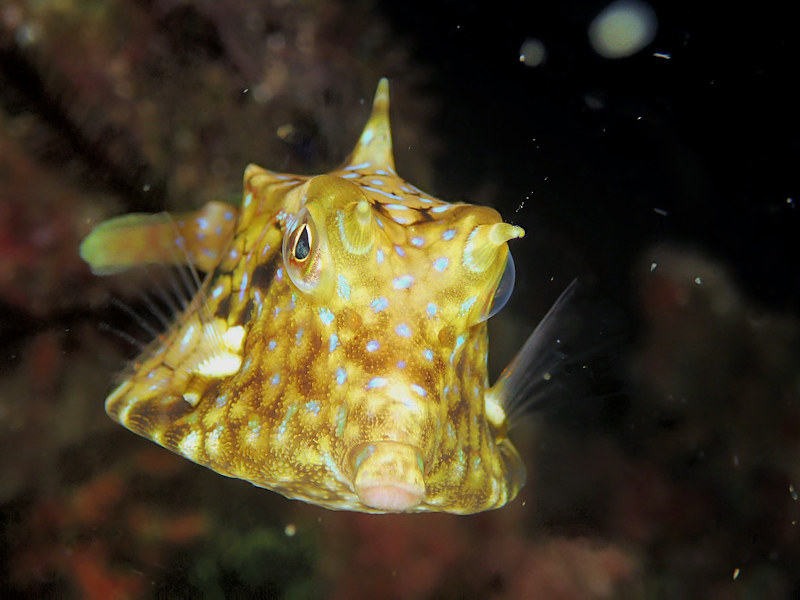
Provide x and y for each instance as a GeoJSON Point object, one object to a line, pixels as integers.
{"type": "Point", "coordinates": [403, 330]}
{"type": "Point", "coordinates": [341, 375]}
{"type": "Point", "coordinates": [217, 292]}
{"type": "Point", "coordinates": [419, 390]}
{"type": "Point", "coordinates": [326, 316]}
{"type": "Point", "coordinates": [376, 181]}
{"type": "Point", "coordinates": [297, 337]}
{"type": "Point", "coordinates": [228, 215]}
{"type": "Point", "coordinates": [441, 208]}
{"type": "Point", "coordinates": [379, 304]}
{"type": "Point", "coordinates": [343, 287]}
{"type": "Point", "coordinates": [379, 256]}
{"type": "Point", "coordinates": [248, 199]}
{"type": "Point", "coordinates": [279, 274]}
{"type": "Point", "coordinates": [333, 343]}
{"type": "Point", "coordinates": [396, 206]}
{"type": "Point", "coordinates": [218, 230]}
{"type": "Point", "coordinates": [289, 412]}
{"type": "Point", "coordinates": [221, 401]}
{"type": "Point", "coordinates": [276, 379]}
{"type": "Point", "coordinates": [467, 304]}
{"type": "Point", "coordinates": [341, 420]}
{"type": "Point", "coordinates": [448, 234]}
{"type": "Point", "coordinates": [312, 407]}
{"type": "Point", "coordinates": [460, 340]}
{"type": "Point", "coordinates": [418, 242]}
{"type": "Point", "coordinates": [401, 364]}
{"type": "Point", "coordinates": [272, 345]}
{"type": "Point", "coordinates": [440, 264]}
{"type": "Point", "coordinates": [376, 382]}
{"type": "Point", "coordinates": [431, 309]}
{"type": "Point", "coordinates": [428, 354]}
{"type": "Point", "coordinates": [379, 222]}
{"type": "Point", "coordinates": [400, 251]}
{"type": "Point", "coordinates": [402, 283]}
{"type": "Point", "coordinates": [372, 345]}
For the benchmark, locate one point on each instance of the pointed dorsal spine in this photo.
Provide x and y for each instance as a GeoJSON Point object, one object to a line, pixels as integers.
{"type": "Point", "coordinates": [374, 147]}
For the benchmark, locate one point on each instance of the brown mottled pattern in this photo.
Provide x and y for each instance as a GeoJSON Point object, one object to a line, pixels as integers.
{"type": "Point", "coordinates": [294, 378]}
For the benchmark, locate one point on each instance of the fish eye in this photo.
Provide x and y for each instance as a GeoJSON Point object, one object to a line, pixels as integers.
{"type": "Point", "coordinates": [304, 252]}
{"type": "Point", "coordinates": [302, 243]}
{"type": "Point", "coordinates": [504, 289]}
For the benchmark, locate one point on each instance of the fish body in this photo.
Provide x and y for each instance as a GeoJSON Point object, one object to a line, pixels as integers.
{"type": "Point", "coordinates": [336, 352]}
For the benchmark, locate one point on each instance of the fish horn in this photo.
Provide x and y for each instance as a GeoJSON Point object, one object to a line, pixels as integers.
{"type": "Point", "coordinates": [484, 243]}
{"type": "Point", "coordinates": [374, 147]}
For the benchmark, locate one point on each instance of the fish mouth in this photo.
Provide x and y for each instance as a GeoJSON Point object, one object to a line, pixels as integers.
{"type": "Point", "coordinates": [388, 476]}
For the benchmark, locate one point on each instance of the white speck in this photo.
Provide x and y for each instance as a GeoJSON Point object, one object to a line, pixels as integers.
{"type": "Point", "coordinates": [653, 266]}
{"type": "Point", "coordinates": [664, 55]}
{"type": "Point", "coordinates": [698, 280]}
{"type": "Point", "coordinates": [793, 493]}
{"type": "Point", "coordinates": [736, 573]}
{"type": "Point", "coordinates": [660, 211]}
{"type": "Point", "coordinates": [290, 530]}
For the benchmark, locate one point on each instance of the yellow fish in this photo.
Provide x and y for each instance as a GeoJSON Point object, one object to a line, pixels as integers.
{"type": "Point", "coordinates": [336, 352]}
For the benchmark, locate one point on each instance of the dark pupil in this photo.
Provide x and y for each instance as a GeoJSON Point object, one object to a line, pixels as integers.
{"type": "Point", "coordinates": [302, 247]}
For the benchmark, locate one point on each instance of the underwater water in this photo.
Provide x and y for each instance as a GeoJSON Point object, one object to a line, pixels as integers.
{"type": "Point", "coordinates": [649, 150]}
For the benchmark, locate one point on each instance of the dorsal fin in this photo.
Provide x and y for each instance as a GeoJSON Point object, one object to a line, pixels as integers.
{"type": "Point", "coordinates": [374, 147]}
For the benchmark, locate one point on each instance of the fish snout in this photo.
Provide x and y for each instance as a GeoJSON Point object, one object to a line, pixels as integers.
{"type": "Point", "coordinates": [388, 476]}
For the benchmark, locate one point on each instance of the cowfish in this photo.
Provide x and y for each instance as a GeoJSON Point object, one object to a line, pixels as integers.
{"type": "Point", "coordinates": [335, 351]}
